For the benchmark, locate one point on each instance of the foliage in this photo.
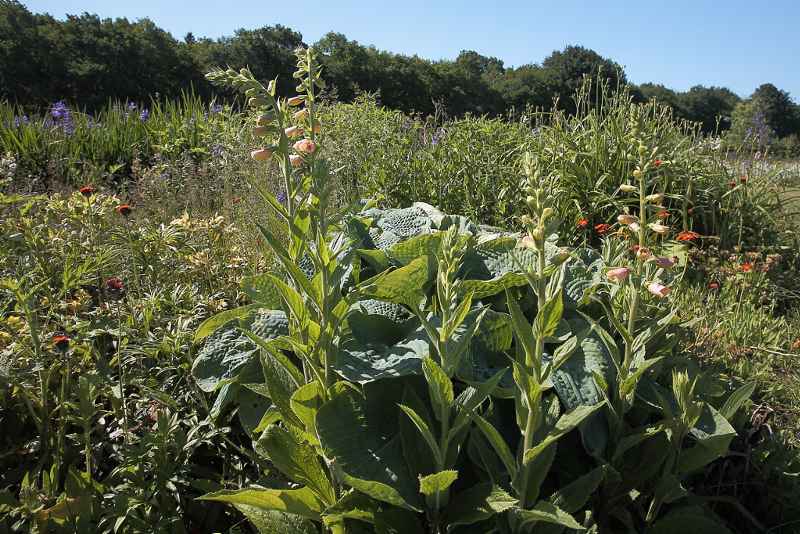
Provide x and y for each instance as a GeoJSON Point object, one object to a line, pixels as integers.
{"type": "Point", "coordinates": [411, 381]}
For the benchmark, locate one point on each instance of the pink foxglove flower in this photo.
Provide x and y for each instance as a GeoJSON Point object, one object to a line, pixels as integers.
{"type": "Point", "coordinates": [659, 228]}
{"type": "Point", "coordinates": [294, 131]}
{"type": "Point", "coordinates": [664, 262]}
{"type": "Point", "coordinates": [305, 146]}
{"type": "Point", "coordinates": [296, 160]}
{"type": "Point", "coordinates": [658, 290]}
{"type": "Point", "coordinates": [618, 274]}
{"type": "Point", "coordinates": [627, 219]}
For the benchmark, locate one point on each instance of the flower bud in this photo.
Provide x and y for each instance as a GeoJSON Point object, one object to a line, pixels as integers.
{"type": "Point", "coordinates": [618, 274]}
{"type": "Point", "coordinates": [531, 202]}
{"type": "Point", "coordinates": [296, 160]}
{"type": "Point", "coordinates": [627, 219]}
{"type": "Point", "coordinates": [296, 100]}
{"type": "Point", "coordinates": [538, 234]}
{"type": "Point", "coordinates": [659, 290]}
{"type": "Point", "coordinates": [561, 256]}
{"type": "Point", "coordinates": [637, 173]}
{"type": "Point", "coordinates": [628, 188]}
{"type": "Point", "coordinates": [655, 198]}
{"type": "Point", "coordinates": [526, 220]}
{"type": "Point", "coordinates": [546, 213]}
{"type": "Point", "coordinates": [305, 146]}
{"type": "Point", "coordinates": [659, 228]}
{"type": "Point", "coordinates": [642, 150]}
{"type": "Point", "coordinates": [261, 154]}
{"type": "Point", "coordinates": [293, 131]}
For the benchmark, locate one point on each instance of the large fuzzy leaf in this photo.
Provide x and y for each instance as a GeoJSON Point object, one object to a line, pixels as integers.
{"type": "Point", "coordinates": [274, 522]}
{"type": "Point", "coordinates": [301, 501]}
{"type": "Point", "coordinates": [227, 351]}
{"type": "Point", "coordinates": [362, 362]}
{"type": "Point", "coordinates": [365, 453]}
{"type": "Point", "coordinates": [476, 504]}
{"type": "Point", "coordinates": [575, 384]}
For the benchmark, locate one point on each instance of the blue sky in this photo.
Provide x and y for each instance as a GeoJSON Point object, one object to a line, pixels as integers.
{"type": "Point", "coordinates": [678, 43]}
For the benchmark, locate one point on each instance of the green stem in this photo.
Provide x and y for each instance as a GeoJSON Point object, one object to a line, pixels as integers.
{"type": "Point", "coordinates": [534, 410]}
{"type": "Point", "coordinates": [120, 367]}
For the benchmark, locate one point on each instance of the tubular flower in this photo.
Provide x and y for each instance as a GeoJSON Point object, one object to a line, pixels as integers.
{"type": "Point", "coordinates": [628, 188]}
{"type": "Point", "coordinates": [260, 131]}
{"type": "Point", "coordinates": [124, 209]}
{"type": "Point", "coordinates": [87, 190]}
{"type": "Point", "coordinates": [293, 131]}
{"type": "Point", "coordinates": [261, 154]}
{"type": "Point", "coordinates": [627, 219]}
{"type": "Point", "coordinates": [664, 262]}
{"type": "Point", "coordinates": [305, 146]}
{"type": "Point", "coordinates": [317, 126]}
{"type": "Point", "coordinates": [687, 235]}
{"type": "Point", "coordinates": [659, 228]}
{"type": "Point", "coordinates": [602, 228]}
{"type": "Point", "coordinates": [296, 160]}
{"type": "Point", "coordinates": [296, 100]}
{"type": "Point", "coordinates": [663, 214]}
{"type": "Point", "coordinates": [643, 253]}
{"type": "Point", "coordinates": [659, 290]}
{"type": "Point", "coordinates": [264, 120]}
{"type": "Point", "coordinates": [583, 223]}
{"type": "Point", "coordinates": [655, 198]}
{"type": "Point", "coordinates": [300, 114]}
{"type": "Point", "coordinates": [527, 242]}
{"type": "Point", "coordinates": [618, 274]}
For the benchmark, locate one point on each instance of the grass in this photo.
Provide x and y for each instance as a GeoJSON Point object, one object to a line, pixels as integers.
{"type": "Point", "coordinates": [191, 240]}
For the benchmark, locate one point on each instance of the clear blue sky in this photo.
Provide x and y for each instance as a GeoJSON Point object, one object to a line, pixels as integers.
{"type": "Point", "coordinates": [679, 43]}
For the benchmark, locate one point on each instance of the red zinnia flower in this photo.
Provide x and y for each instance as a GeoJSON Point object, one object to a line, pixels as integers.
{"type": "Point", "coordinates": [602, 228]}
{"type": "Point", "coordinates": [743, 179]}
{"type": "Point", "coordinates": [687, 235]}
{"type": "Point", "coordinates": [583, 223]}
{"type": "Point", "coordinates": [657, 163]}
{"type": "Point", "coordinates": [746, 267]}
{"type": "Point", "coordinates": [115, 284]}
{"type": "Point", "coordinates": [713, 285]}
{"type": "Point", "coordinates": [732, 184]}
{"type": "Point", "coordinates": [87, 190]}
{"type": "Point", "coordinates": [61, 341]}
{"type": "Point", "coordinates": [124, 209]}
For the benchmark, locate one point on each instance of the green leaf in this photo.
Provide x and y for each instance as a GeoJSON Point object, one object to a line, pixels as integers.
{"type": "Point", "coordinates": [363, 449]}
{"type": "Point", "coordinates": [498, 444]}
{"type": "Point", "coordinates": [437, 483]}
{"type": "Point", "coordinates": [296, 460]}
{"type": "Point", "coordinates": [221, 359]}
{"type": "Point", "coordinates": [425, 430]}
{"type": "Point", "coordinates": [212, 324]}
{"type": "Point", "coordinates": [574, 496]}
{"type": "Point", "coordinates": [305, 403]}
{"type": "Point", "coordinates": [565, 424]}
{"type": "Point", "coordinates": [274, 522]}
{"type": "Point", "coordinates": [301, 501]}
{"type": "Point", "coordinates": [261, 290]}
{"type": "Point", "coordinates": [548, 318]}
{"type": "Point", "coordinates": [281, 385]}
{"type": "Point", "coordinates": [401, 286]}
{"type": "Point", "coordinates": [547, 512]}
{"type": "Point", "coordinates": [478, 503]}
{"type": "Point", "coordinates": [362, 363]}
{"type": "Point", "coordinates": [692, 519]}
{"type": "Point", "coordinates": [352, 505]}
{"type": "Point", "coordinates": [439, 386]}
{"type": "Point", "coordinates": [737, 400]}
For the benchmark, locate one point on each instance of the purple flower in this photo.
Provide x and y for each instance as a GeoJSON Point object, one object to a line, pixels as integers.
{"type": "Point", "coordinates": [18, 121]}
{"type": "Point", "coordinates": [215, 108]}
{"type": "Point", "coordinates": [61, 117]}
{"type": "Point", "coordinates": [217, 150]}
{"type": "Point", "coordinates": [144, 115]}
{"type": "Point", "coordinates": [131, 106]}
{"type": "Point", "coordinates": [281, 197]}
{"type": "Point", "coordinates": [437, 136]}
{"type": "Point", "coordinates": [59, 111]}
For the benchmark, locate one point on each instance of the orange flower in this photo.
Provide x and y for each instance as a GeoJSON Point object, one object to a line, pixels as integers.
{"type": "Point", "coordinates": [658, 163]}
{"type": "Point", "coordinates": [687, 235]}
{"type": "Point", "coordinates": [583, 223]}
{"type": "Point", "coordinates": [713, 285]}
{"type": "Point", "coordinates": [732, 184]}
{"type": "Point", "coordinates": [124, 209]}
{"type": "Point", "coordinates": [61, 342]}
{"type": "Point", "coordinates": [663, 214]}
{"type": "Point", "coordinates": [746, 267]}
{"type": "Point", "coordinates": [602, 228]}
{"type": "Point", "coordinates": [743, 179]}
{"type": "Point", "coordinates": [87, 190]}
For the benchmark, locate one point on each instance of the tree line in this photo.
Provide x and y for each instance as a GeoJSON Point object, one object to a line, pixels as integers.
{"type": "Point", "coordinates": [88, 60]}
